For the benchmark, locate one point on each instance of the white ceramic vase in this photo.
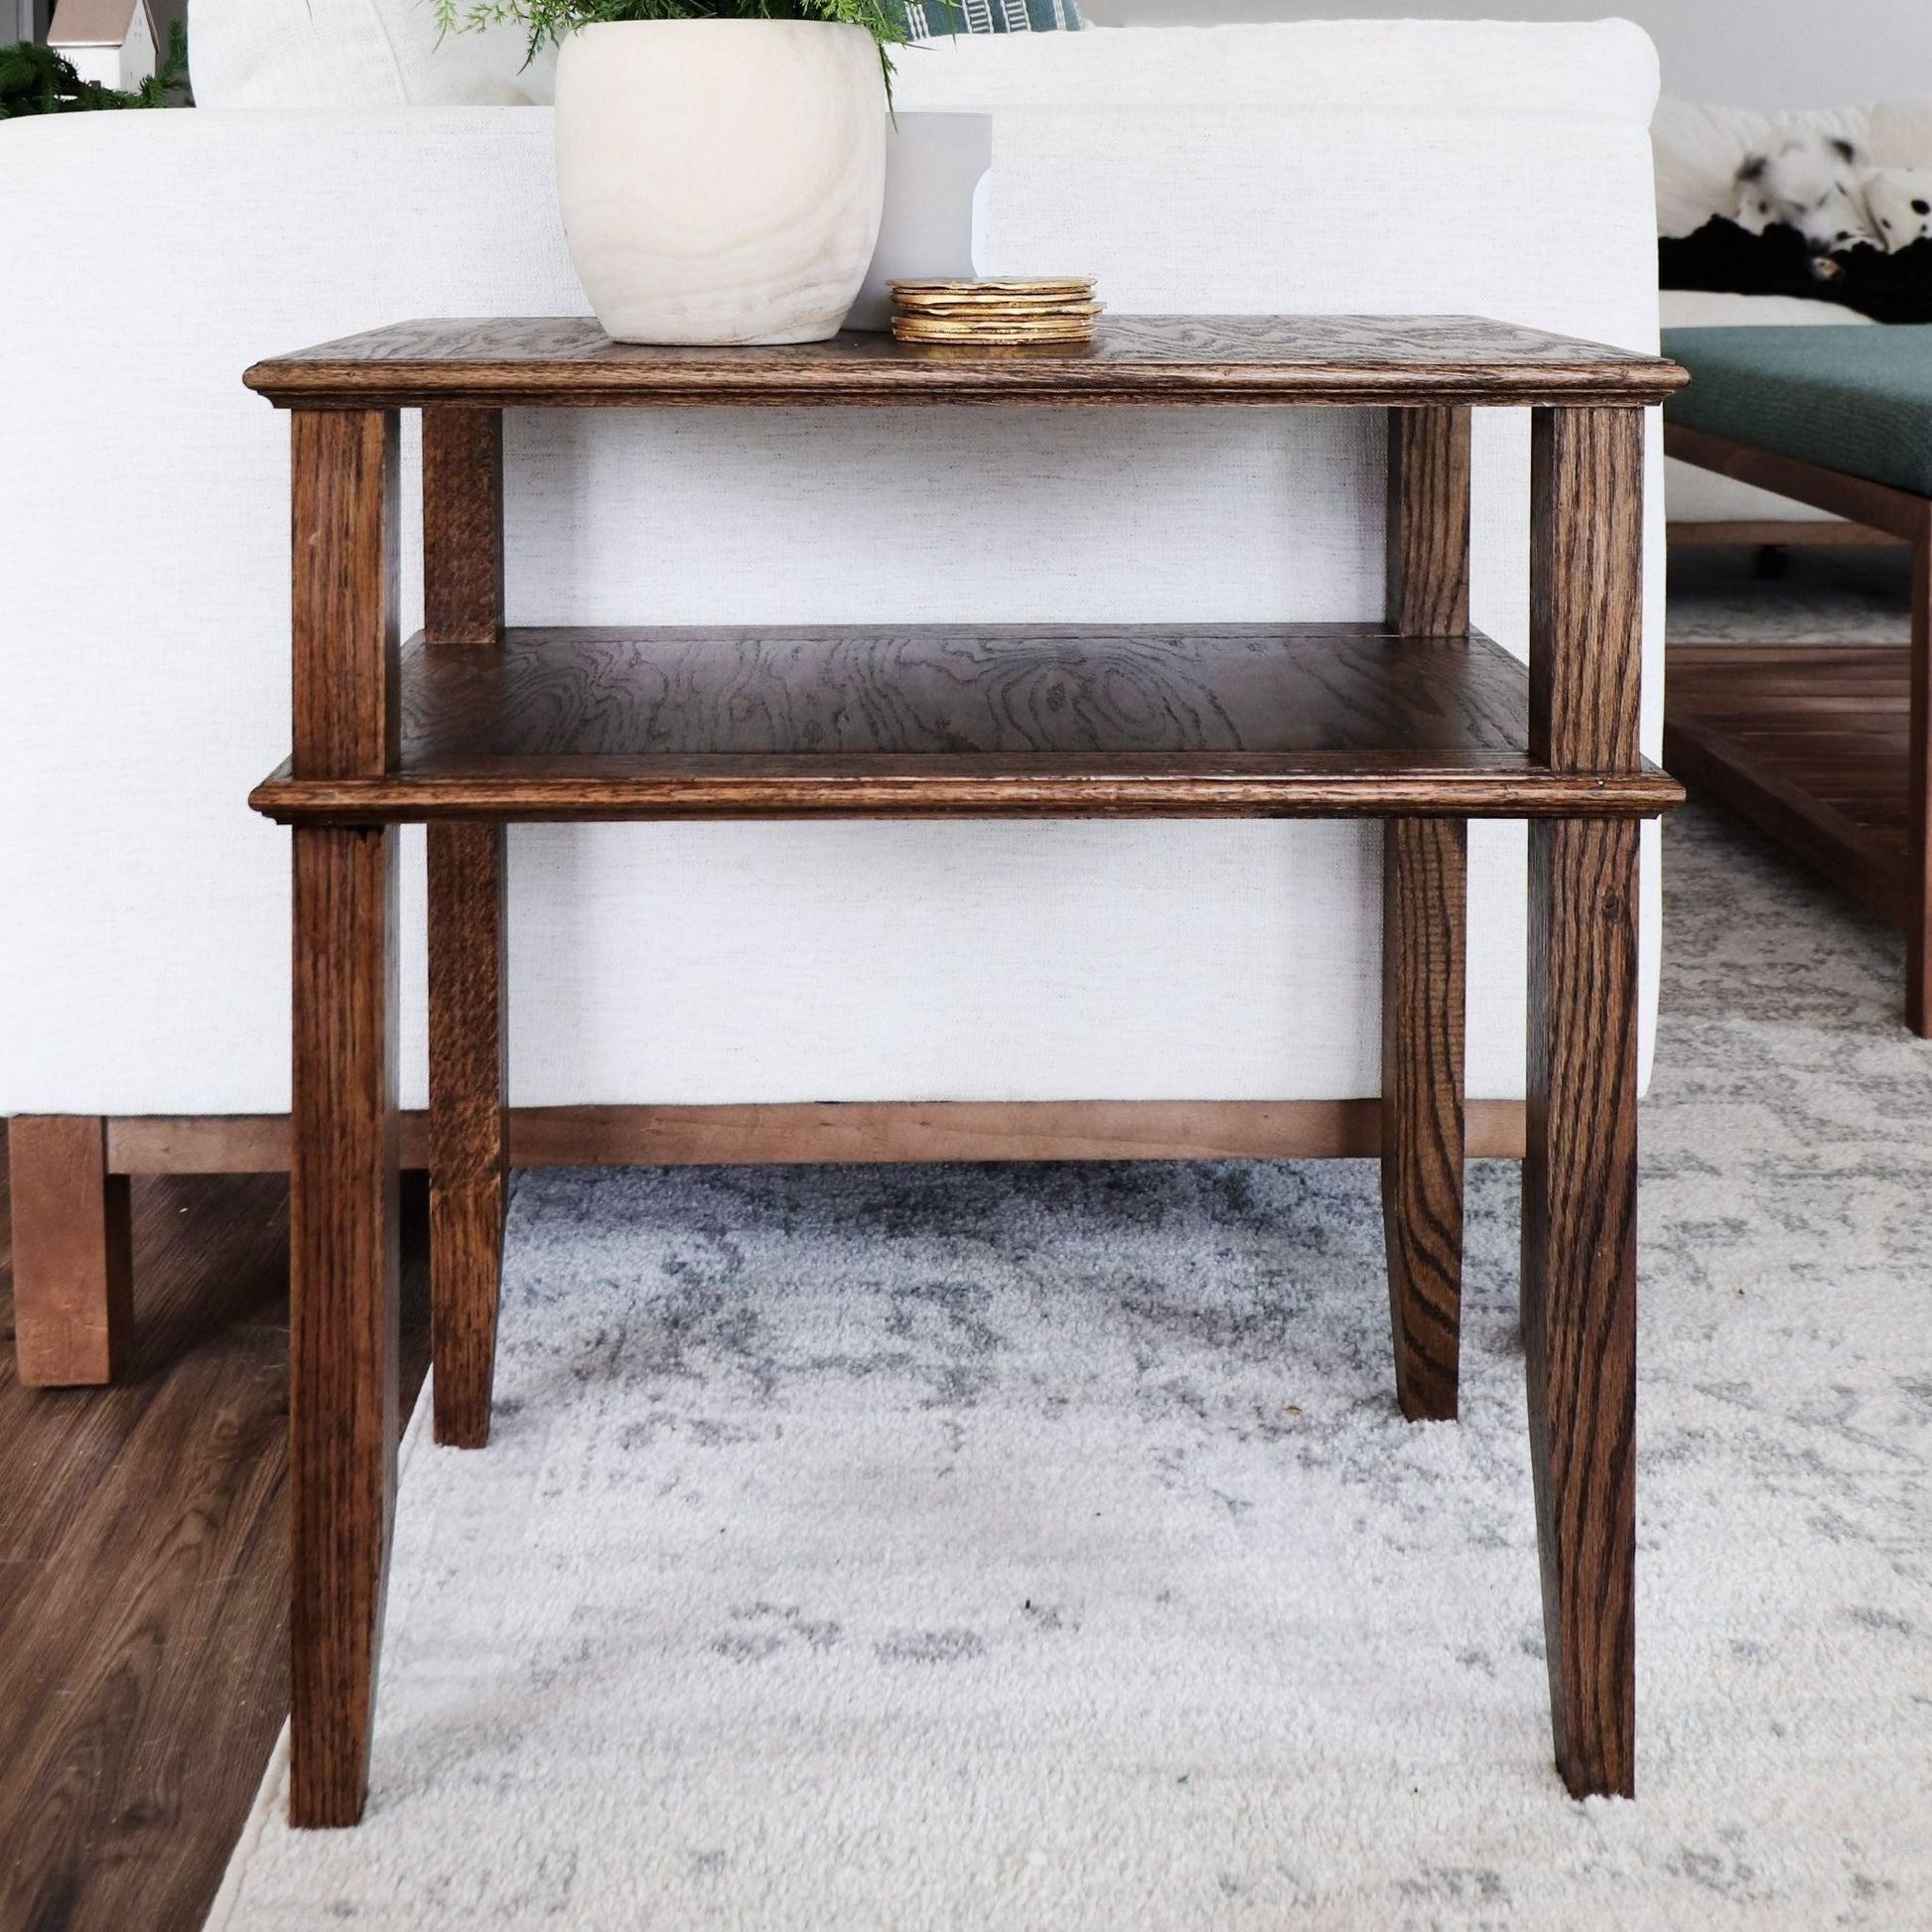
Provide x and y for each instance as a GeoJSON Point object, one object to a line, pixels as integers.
{"type": "Point", "coordinates": [721, 180]}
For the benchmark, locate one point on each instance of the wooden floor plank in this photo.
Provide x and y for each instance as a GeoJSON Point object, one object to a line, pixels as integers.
{"type": "Point", "coordinates": [1827, 724]}
{"type": "Point", "coordinates": [143, 1596]}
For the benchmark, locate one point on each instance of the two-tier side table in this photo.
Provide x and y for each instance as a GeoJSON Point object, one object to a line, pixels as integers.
{"type": "Point", "coordinates": [1418, 721]}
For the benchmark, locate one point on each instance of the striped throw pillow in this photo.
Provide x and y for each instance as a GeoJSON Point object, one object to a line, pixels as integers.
{"type": "Point", "coordinates": [933, 19]}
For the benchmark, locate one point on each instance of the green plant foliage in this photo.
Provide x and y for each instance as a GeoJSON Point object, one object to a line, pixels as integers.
{"type": "Point", "coordinates": [33, 80]}
{"type": "Point", "coordinates": [552, 20]}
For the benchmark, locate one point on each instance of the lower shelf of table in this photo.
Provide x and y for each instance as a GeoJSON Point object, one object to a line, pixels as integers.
{"type": "Point", "coordinates": [957, 721]}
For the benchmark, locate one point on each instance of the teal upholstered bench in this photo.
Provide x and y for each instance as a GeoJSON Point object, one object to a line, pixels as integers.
{"type": "Point", "coordinates": [1823, 746]}
{"type": "Point", "coordinates": [1857, 401]}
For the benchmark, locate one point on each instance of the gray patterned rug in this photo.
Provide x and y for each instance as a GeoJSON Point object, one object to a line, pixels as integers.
{"type": "Point", "coordinates": [1826, 596]}
{"type": "Point", "coordinates": [1021, 1548]}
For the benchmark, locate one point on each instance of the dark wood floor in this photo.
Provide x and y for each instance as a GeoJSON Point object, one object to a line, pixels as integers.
{"type": "Point", "coordinates": [144, 1570]}
{"type": "Point", "coordinates": [1812, 743]}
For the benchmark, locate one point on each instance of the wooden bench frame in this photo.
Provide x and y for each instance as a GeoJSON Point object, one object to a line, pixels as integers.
{"type": "Point", "coordinates": [1767, 770]}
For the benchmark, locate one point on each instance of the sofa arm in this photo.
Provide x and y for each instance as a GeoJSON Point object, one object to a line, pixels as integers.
{"type": "Point", "coordinates": [143, 539]}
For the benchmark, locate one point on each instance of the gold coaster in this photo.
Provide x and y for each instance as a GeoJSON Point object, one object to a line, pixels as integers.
{"type": "Point", "coordinates": [915, 329]}
{"type": "Point", "coordinates": [961, 307]}
{"type": "Point", "coordinates": [1078, 285]}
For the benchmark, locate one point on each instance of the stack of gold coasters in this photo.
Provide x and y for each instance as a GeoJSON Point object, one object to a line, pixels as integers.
{"type": "Point", "coordinates": [994, 312]}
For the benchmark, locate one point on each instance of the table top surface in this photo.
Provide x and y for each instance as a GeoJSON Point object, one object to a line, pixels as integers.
{"type": "Point", "coordinates": [1343, 360]}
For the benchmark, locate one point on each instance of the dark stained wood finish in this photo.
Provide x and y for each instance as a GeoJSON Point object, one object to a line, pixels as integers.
{"type": "Point", "coordinates": [1424, 921]}
{"type": "Point", "coordinates": [1249, 720]}
{"type": "Point", "coordinates": [1896, 513]}
{"type": "Point", "coordinates": [1425, 913]}
{"type": "Point", "coordinates": [469, 1133]}
{"type": "Point", "coordinates": [1025, 722]}
{"type": "Point", "coordinates": [342, 1242]}
{"type": "Point", "coordinates": [1315, 784]}
{"type": "Point", "coordinates": [462, 525]}
{"type": "Point", "coordinates": [552, 362]}
{"type": "Point", "coordinates": [1580, 1170]}
{"type": "Point", "coordinates": [1825, 748]}
{"type": "Point", "coordinates": [1777, 533]}
{"type": "Point", "coordinates": [144, 1570]}
{"type": "Point", "coordinates": [1812, 743]}
{"type": "Point", "coordinates": [72, 1285]}
{"type": "Point", "coordinates": [1918, 807]}
{"type": "Point", "coordinates": [1585, 599]}
{"type": "Point", "coordinates": [863, 1132]}
{"type": "Point", "coordinates": [1429, 523]}
{"type": "Point", "coordinates": [463, 599]}
{"type": "Point", "coordinates": [344, 484]}
{"type": "Point", "coordinates": [1580, 1259]}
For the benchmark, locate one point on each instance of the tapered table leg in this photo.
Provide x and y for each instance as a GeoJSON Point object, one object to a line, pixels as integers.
{"type": "Point", "coordinates": [468, 1176]}
{"type": "Point", "coordinates": [1580, 1285]}
{"type": "Point", "coordinates": [1423, 915]}
{"type": "Point", "coordinates": [462, 610]}
{"type": "Point", "coordinates": [1424, 920]}
{"type": "Point", "coordinates": [1579, 1171]}
{"type": "Point", "coordinates": [342, 1250]}
{"type": "Point", "coordinates": [342, 1193]}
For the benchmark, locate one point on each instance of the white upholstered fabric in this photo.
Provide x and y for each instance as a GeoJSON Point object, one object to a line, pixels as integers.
{"type": "Point", "coordinates": [356, 54]}
{"type": "Point", "coordinates": [143, 530]}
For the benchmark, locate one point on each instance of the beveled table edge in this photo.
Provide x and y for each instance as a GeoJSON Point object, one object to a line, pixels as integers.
{"type": "Point", "coordinates": [913, 375]}
{"type": "Point", "coordinates": [1223, 786]}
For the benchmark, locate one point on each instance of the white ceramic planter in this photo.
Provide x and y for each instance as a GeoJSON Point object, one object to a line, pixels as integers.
{"type": "Point", "coordinates": [721, 180]}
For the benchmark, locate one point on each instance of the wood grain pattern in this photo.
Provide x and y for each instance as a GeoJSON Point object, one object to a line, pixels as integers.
{"type": "Point", "coordinates": [1579, 1258]}
{"type": "Point", "coordinates": [1425, 901]}
{"type": "Point", "coordinates": [462, 525]}
{"type": "Point", "coordinates": [1585, 602]}
{"type": "Point", "coordinates": [1579, 1167]}
{"type": "Point", "coordinates": [144, 1570]}
{"type": "Point", "coordinates": [343, 486]}
{"type": "Point", "coordinates": [1348, 361]}
{"type": "Point", "coordinates": [468, 1139]}
{"type": "Point", "coordinates": [1428, 540]}
{"type": "Point", "coordinates": [342, 1270]}
{"type": "Point", "coordinates": [1388, 784]}
{"type": "Point", "coordinates": [947, 720]}
{"type": "Point", "coordinates": [842, 1131]}
{"type": "Point", "coordinates": [1878, 506]}
{"type": "Point", "coordinates": [73, 1308]}
{"type": "Point", "coordinates": [1811, 743]}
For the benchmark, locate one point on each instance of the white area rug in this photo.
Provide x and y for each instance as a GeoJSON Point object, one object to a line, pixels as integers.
{"type": "Point", "coordinates": [1012, 1548]}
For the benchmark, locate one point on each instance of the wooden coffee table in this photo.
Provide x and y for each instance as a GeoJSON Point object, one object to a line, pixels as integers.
{"type": "Point", "coordinates": [1418, 721]}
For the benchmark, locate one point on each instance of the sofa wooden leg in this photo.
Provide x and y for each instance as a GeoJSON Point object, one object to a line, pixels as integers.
{"type": "Point", "coordinates": [469, 1172]}
{"type": "Point", "coordinates": [1424, 920]}
{"type": "Point", "coordinates": [73, 1307]}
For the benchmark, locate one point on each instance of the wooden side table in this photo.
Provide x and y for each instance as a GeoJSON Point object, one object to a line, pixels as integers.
{"type": "Point", "coordinates": [1418, 721]}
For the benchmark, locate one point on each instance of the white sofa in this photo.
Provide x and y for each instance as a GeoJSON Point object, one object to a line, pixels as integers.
{"type": "Point", "coordinates": [143, 539]}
